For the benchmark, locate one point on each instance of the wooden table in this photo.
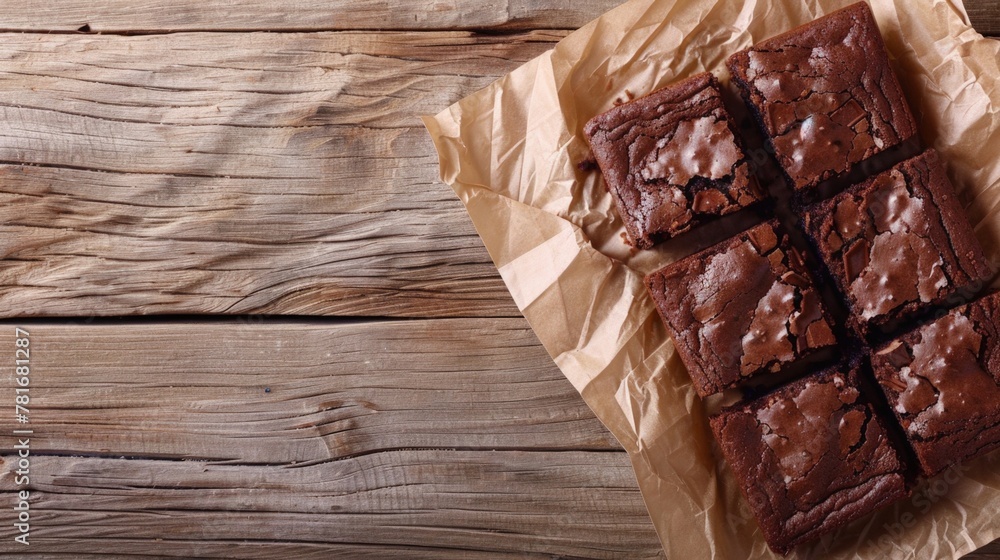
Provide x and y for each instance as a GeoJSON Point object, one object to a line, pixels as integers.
{"type": "Point", "coordinates": [259, 325]}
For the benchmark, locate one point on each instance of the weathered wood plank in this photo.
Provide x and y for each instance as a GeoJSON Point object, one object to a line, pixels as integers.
{"type": "Point", "coordinates": [89, 243]}
{"type": "Point", "coordinates": [227, 173]}
{"type": "Point", "coordinates": [295, 392]}
{"type": "Point", "coordinates": [984, 15]}
{"type": "Point", "coordinates": [145, 16]}
{"type": "Point", "coordinates": [123, 16]}
{"type": "Point", "coordinates": [420, 504]}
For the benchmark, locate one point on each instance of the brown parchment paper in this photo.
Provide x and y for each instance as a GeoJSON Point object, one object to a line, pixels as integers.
{"type": "Point", "coordinates": [511, 152]}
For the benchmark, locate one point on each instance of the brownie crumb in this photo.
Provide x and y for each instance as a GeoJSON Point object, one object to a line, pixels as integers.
{"type": "Point", "coordinates": [588, 164]}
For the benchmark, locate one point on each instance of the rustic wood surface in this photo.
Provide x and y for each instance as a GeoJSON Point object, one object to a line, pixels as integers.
{"type": "Point", "coordinates": [301, 391]}
{"type": "Point", "coordinates": [146, 16]}
{"type": "Point", "coordinates": [984, 15]}
{"type": "Point", "coordinates": [236, 173]}
{"type": "Point", "coordinates": [451, 436]}
{"type": "Point", "coordinates": [180, 163]}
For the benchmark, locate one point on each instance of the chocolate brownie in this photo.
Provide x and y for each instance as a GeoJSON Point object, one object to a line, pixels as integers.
{"type": "Point", "coordinates": [672, 160]}
{"type": "Point", "coordinates": [824, 95]}
{"type": "Point", "coordinates": [742, 307]}
{"type": "Point", "coordinates": [943, 382]}
{"type": "Point", "coordinates": [898, 244]}
{"type": "Point", "coordinates": [810, 457]}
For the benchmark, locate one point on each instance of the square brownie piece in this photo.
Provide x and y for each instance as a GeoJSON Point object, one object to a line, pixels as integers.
{"type": "Point", "coordinates": [943, 383]}
{"type": "Point", "coordinates": [898, 244]}
{"type": "Point", "coordinates": [810, 457]}
{"type": "Point", "coordinates": [824, 95]}
{"type": "Point", "coordinates": [672, 160]}
{"type": "Point", "coordinates": [740, 308]}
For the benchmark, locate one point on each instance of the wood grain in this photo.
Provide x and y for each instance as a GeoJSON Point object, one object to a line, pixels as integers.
{"type": "Point", "coordinates": [227, 173]}
{"type": "Point", "coordinates": [412, 504]}
{"type": "Point", "coordinates": [362, 438]}
{"type": "Point", "coordinates": [146, 16]}
{"type": "Point", "coordinates": [984, 15]}
{"type": "Point", "coordinates": [251, 391]}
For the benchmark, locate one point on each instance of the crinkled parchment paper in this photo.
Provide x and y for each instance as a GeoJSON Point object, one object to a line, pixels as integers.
{"type": "Point", "coordinates": [511, 153]}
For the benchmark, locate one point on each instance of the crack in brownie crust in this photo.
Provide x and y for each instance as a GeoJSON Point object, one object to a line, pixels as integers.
{"type": "Point", "coordinates": [898, 244]}
{"type": "Point", "coordinates": [742, 307]}
{"type": "Point", "coordinates": [943, 383]}
{"type": "Point", "coordinates": [825, 95]}
{"type": "Point", "coordinates": [672, 160]}
{"type": "Point", "coordinates": [810, 457]}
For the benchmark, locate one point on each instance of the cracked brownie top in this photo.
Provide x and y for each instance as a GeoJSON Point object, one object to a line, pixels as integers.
{"type": "Point", "coordinates": [672, 161]}
{"type": "Point", "coordinates": [943, 383]}
{"type": "Point", "coordinates": [898, 244]}
{"type": "Point", "coordinates": [825, 95]}
{"type": "Point", "coordinates": [810, 457]}
{"type": "Point", "coordinates": [742, 307]}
